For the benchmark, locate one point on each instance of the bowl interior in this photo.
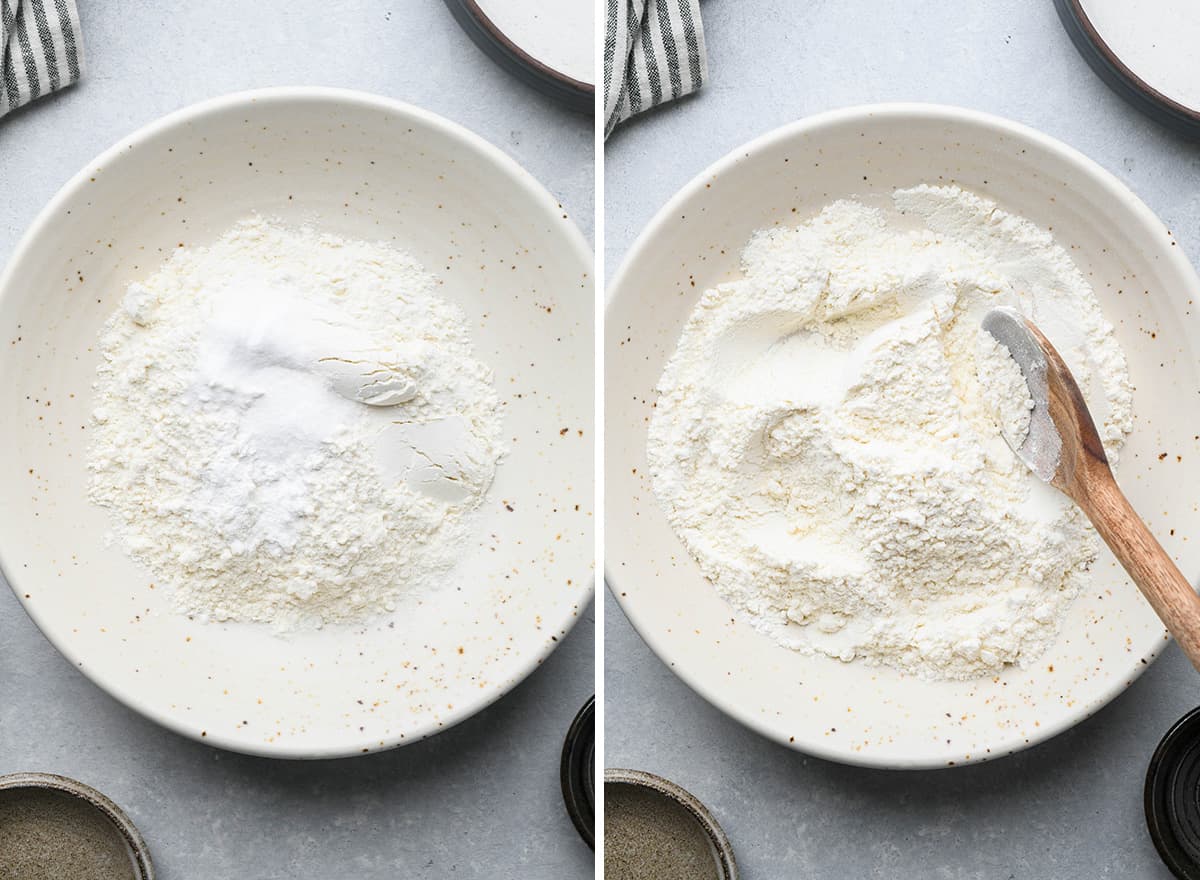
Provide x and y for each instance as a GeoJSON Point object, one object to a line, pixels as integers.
{"type": "Point", "coordinates": [852, 712]}
{"type": "Point", "coordinates": [356, 166]}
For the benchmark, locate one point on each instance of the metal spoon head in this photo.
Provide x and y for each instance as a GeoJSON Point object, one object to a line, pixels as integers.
{"type": "Point", "coordinates": [1041, 449]}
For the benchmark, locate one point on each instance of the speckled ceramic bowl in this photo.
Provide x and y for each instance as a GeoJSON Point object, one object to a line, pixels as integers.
{"type": "Point", "coordinates": [853, 712]}
{"type": "Point", "coordinates": [359, 166]}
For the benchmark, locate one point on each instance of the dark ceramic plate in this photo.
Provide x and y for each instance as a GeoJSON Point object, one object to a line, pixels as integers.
{"type": "Point", "coordinates": [1119, 77]}
{"type": "Point", "coordinates": [576, 95]}
{"type": "Point", "coordinates": [577, 772]}
{"type": "Point", "coordinates": [1172, 797]}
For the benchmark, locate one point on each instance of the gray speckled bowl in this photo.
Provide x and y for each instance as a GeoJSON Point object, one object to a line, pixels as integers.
{"type": "Point", "coordinates": [360, 166]}
{"type": "Point", "coordinates": [53, 826]}
{"type": "Point", "coordinates": [849, 711]}
{"type": "Point", "coordinates": [658, 829]}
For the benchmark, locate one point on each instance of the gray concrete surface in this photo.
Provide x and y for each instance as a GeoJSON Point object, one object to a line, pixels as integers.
{"type": "Point", "coordinates": [1070, 808]}
{"type": "Point", "coordinates": [481, 800]}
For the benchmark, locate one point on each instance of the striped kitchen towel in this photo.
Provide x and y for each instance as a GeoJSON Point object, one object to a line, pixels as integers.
{"type": "Point", "coordinates": [40, 49]}
{"type": "Point", "coordinates": [653, 53]}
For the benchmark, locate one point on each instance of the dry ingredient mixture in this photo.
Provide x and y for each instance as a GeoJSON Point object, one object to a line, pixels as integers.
{"type": "Point", "coordinates": [291, 428]}
{"type": "Point", "coordinates": [828, 446]}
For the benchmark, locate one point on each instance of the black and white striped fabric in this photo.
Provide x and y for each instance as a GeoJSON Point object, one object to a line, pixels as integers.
{"type": "Point", "coordinates": [40, 49]}
{"type": "Point", "coordinates": [653, 53]}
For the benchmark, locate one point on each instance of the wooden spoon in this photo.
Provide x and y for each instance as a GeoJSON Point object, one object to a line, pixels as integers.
{"type": "Point", "coordinates": [1063, 449]}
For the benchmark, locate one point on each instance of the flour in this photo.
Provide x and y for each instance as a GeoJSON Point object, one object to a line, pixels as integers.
{"type": "Point", "coordinates": [1005, 389]}
{"type": "Point", "coordinates": [824, 447]}
{"type": "Point", "coordinates": [291, 428]}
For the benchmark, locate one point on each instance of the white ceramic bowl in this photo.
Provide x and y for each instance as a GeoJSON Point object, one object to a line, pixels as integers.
{"type": "Point", "coordinates": [852, 712]}
{"type": "Point", "coordinates": [359, 166]}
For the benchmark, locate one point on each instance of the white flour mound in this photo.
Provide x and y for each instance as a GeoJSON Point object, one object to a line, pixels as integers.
{"type": "Point", "coordinates": [824, 447]}
{"type": "Point", "coordinates": [291, 428]}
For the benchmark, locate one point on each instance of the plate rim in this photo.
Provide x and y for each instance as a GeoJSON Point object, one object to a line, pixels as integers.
{"type": "Point", "coordinates": [906, 111]}
{"type": "Point", "coordinates": [41, 225]}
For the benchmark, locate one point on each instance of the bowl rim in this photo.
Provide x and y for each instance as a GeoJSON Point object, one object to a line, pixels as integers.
{"type": "Point", "coordinates": [643, 244]}
{"type": "Point", "coordinates": [501, 163]}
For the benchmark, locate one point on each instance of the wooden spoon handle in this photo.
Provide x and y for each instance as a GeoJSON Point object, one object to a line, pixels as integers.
{"type": "Point", "coordinates": [1160, 580]}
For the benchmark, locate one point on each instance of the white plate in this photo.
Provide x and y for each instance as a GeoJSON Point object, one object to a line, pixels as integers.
{"type": "Point", "coordinates": [359, 166]}
{"type": "Point", "coordinates": [852, 712]}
